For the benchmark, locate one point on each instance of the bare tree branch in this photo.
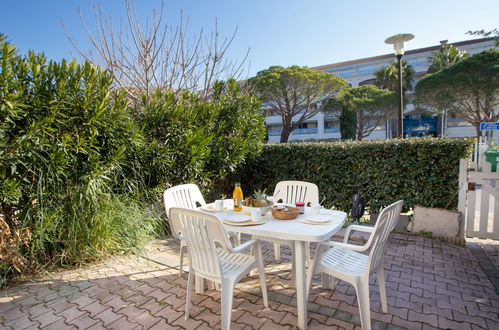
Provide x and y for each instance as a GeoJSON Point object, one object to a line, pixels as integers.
{"type": "Point", "coordinates": [147, 54]}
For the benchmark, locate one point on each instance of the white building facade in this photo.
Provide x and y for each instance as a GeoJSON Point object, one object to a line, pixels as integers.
{"type": "Point", "coordinates": [361, 72]}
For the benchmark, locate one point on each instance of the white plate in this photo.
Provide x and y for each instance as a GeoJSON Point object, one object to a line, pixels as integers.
{"type": "Point", "coordinates": [211, 208]}
{"type": "Point", "coordinates": [236, 218]}
{"type": "Point", "coordinates": [246, 223]}
{"type": "Point", "coordinates": [318, 218]}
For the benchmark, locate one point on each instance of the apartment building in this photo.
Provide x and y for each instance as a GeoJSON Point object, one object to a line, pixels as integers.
{"type": "Point", "coordinates": [361, 72]}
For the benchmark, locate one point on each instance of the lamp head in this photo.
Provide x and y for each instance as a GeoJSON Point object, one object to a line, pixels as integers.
{"type": "Point", "coordinates": [398, 42]}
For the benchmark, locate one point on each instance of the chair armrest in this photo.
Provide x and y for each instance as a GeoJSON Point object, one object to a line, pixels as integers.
{"type": "Point", "coordinates": [368, 229]}
{"type": "Point", "coordinates": [243, 246]}
{"type": "Point", "coordinates": [358, 248]}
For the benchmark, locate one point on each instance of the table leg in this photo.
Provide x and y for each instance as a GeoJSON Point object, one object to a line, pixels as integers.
{"type": "Point", "coordinates": [325, 281]}
{"type": "Point", "coordinates": [301, 284]}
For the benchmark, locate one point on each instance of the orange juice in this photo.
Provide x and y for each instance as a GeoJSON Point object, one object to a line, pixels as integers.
{"type": "Point", "coordinates": [238, 197]}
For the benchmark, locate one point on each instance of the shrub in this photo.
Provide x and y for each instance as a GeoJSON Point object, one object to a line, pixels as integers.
{"type": "Point", "coordinates": [63, 137]}
{"type": "Point", "coordinates": [420, 171]}
{"type": "Point", "coordinates": [80, 166]}
{"type": "Point", "coordinates": [193, 140]}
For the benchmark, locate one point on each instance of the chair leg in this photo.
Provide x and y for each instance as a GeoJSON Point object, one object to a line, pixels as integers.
{"type": "Point", "coordinates": [380, 274]}
{"type": "Point", "coordinates": [311, 272]}
{"type": "Point", "coordinates": [261, 274]}
{"type": "Point", "coordinates": [277, 251]}
{"type": "Point", "coordinates": [199, 284]}
{"type": "Point", "coordinates": [189, 294]}
{"type": "Point", "coordinates": [227, 296]}
{"type": "Point", "coordinates": [252, 253]}
{"type": "Point", "coordinates": [362, 289]}
{"type": "Point", "coordinates": [293, 266]}
{"type": "Point", "coordinates": [328, 282]}
{"type": "Point", "coordinates": [183, 249]}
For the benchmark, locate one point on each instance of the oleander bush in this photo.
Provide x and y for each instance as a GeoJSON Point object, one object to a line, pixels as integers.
{"type": "Point", "coordinates": [194, 140]}
{"type": "Point", "coordinates": [420, 171]}
{"type": "Point", "coordinates": [82, 168]}
{"type": "Point", "coordinates": [63, 137]}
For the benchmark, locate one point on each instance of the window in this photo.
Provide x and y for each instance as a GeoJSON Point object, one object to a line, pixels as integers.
{"type": "Point", "coordinates": [331, 126]}
{"type": "Point", "coordinates": [274, 130]}
{"type": "Point", "coordinates": [308, 125]}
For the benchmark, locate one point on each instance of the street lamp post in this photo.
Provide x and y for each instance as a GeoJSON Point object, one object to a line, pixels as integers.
{"type": "Point", "coordinates": [398, 45]}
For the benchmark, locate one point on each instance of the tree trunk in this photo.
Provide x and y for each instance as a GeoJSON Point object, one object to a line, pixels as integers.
{"type": "Point", "coordinates": [285, 133]}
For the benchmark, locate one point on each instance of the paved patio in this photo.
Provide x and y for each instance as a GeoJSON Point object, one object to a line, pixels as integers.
{"type": "Point", "coordinates": [430, 284]}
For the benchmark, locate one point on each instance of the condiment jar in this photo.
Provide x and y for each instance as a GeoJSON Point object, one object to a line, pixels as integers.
{"type": "Point", "coordinates": [301, 206]}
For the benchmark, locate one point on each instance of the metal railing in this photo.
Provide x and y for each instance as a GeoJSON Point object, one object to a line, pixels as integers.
{"type": "Point", "coordinates": [274, 132]}
{"type": "Point", "coordinates": [297, 131]}
{"type": "Point", "coordinates": [331, 129]}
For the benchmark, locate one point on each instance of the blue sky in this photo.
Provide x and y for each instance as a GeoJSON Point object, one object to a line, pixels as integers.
{"type": "Point", "coordinates": [278, 32]}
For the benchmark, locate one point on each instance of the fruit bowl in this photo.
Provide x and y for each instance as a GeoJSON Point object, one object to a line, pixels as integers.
{"type": "Point", "coordinates": [263, 209]}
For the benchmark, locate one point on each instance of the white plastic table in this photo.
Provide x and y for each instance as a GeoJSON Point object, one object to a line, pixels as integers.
{"type": "Point", "coordinates": [298, 232]}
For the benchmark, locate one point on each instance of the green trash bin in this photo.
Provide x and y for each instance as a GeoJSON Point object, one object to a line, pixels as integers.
{"type": "Point", "coordinates": [492, 156]}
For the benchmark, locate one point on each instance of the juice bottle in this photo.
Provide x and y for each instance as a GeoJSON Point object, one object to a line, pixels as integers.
{"type": "Point", "coordinates": [238, 197]}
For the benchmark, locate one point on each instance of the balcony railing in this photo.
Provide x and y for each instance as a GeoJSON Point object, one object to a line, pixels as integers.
{"type": "Point", "coordinates": [274, 132]}
{"type": "Point", "coordinates": [297, 131]}
{"type": "Point", "coordinates": [335, 129]}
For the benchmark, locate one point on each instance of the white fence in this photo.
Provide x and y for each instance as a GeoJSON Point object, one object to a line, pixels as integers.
{"type": "Point", "coordinates": [479, 199]}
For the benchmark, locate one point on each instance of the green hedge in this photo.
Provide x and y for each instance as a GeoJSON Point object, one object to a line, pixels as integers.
{"type": "Point", "coordinates": [420, 171]}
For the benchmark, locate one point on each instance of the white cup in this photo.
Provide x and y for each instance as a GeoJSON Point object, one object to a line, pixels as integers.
{"type": "Point", "coordinates": [256, 215]}
{"type": "Point", "coordinates": [219, 205]}
{"type": "Point", "coordinates": [316, 208]}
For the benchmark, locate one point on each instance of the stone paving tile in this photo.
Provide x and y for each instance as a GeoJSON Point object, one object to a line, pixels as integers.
{"type": "Point", "coordinates": [21, 323]}
{"type": "Point", "coordinates": [430, 284]}
{"type": "Point", "coordinates": [123, 324]}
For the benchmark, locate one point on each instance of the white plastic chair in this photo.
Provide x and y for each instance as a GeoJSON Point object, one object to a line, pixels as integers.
{"type": "Point", "coordinates": [185, 196]}
{"type": "Point", "coordinates": [290, 192]}
{"type": "Point", "coordinates": [211, 256]}
{"type": "Point", "coordinates": [345, 262]}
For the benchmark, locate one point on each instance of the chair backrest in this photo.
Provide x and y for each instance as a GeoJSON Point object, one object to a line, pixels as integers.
{"type": "Point", "coordinates": [296, 191]}
{"type": "Point", "coordinates": [204, 233]}
{"type": "Point", "coordinates": [185, 196]}
{"type": "Point", "coordinates": [387, 220]}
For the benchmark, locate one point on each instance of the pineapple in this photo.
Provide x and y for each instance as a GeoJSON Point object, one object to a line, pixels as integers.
{"type": "Point", "coordinates": [258, 199]}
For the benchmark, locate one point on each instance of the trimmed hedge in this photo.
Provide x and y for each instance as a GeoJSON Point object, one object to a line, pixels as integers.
{"type": "Point", "coordinates": [420, 171]}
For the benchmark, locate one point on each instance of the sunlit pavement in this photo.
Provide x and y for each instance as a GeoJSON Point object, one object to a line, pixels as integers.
{"type": "Point", "coordinates": [430, 284]}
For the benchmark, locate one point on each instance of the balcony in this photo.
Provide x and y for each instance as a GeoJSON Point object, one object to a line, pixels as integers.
{"type": "Point", "coordinates": [297, 131]}
{"type": "Point", "coordinates": [335, 129]}
{"type": "Point", "coordinates": [274, 132]}
{"type": "Point", "coordinates": [300, 131]}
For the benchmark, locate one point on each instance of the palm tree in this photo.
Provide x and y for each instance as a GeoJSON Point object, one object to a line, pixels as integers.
{"type": "Point", "coordinates": [387, 76]}
{"type": "Point", "coordinates": [447, 56]}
